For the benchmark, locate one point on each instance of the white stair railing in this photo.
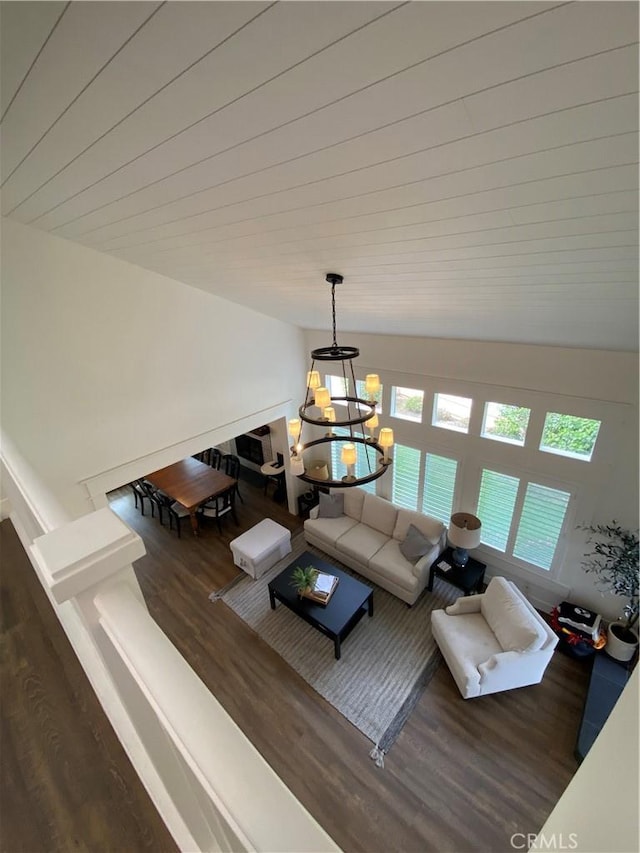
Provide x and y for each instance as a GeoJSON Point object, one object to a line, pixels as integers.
{"type": "Point", "coordinates": [210, 785]}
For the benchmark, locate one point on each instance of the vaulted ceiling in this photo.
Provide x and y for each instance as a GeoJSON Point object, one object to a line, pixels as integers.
{"type": "Point", "coordinates": [470, 168]}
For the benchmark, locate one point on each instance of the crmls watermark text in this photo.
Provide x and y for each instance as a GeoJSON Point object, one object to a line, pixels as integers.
{"type": "Point", "coordinates": [555, 841]}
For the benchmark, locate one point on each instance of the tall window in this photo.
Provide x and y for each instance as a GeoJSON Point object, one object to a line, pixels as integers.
{"type": "Point", "coordinates": [439, 486]}
{"type": "Point", "coordinates": [569, 436]}
{"type": "Point", "coordinates": [406, 476]}
{"type": "Point", "coordinates": [535, 529]}
{"type": "Point", "coordinates": [541, 521]}
{"type": "Point", "coordinates": [498, 494]}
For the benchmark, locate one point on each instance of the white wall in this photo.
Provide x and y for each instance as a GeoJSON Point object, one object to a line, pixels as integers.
{"type": "Point", "coordinates": [104, 362]}
{"type": "Point", "coordinates": [599, 809]}
{"type": "Point", "coordinates": [587, 383]}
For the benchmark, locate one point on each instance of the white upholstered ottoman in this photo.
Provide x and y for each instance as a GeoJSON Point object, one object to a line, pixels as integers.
{"type": "Point", "coordinates": [261, 547]}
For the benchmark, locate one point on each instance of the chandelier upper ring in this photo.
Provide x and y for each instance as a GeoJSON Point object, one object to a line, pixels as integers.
{"type": "Point", "coordinates": [335, 353]}
{"type": "Point", "coordinates": [361, 419]}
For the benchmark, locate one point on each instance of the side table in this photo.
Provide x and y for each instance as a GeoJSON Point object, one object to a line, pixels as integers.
{"type": "Point", "coordinates": [307, 500]}
{"type": "Point", "coordinates": [469, 579]}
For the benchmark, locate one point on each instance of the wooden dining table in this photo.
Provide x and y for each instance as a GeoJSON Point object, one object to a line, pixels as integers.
{"type": "Point", "coordinates": [191, 483]}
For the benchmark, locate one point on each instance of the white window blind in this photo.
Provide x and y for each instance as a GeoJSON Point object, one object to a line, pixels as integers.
{"type": "Point", "coordinates": [439, 484]}
{"type": "Point", "coordinates": [541, 521]}
{"type": "Point", "coordinates": [495, 507]}
{"type": "Point", "coordinates": [406, 476]}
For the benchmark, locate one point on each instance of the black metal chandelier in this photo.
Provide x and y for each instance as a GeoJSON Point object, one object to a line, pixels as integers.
{"type": "Point", "coordinates": [319, 410]}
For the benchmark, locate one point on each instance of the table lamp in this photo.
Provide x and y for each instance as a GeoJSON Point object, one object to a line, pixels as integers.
{"type": "Point", "coordinates": [464, 533]}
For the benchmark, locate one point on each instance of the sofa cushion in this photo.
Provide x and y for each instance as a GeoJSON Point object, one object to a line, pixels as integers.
{"type": "Point", "coordinates": [361, 542]}
{"type": "Point", "coordinates": [414, 545]}
{"type": "Point", "coordinates": [515, 627]}
{"type": "Point", "coordinates": [379, 514]}
{"type": "Point", "coordinates": [329, 529]}
{"type": "Point", "coordinates": [389, 563]}
{"type": "Point", "coordinates": [330, 506]}
{"type": "Point", "coordinates": [353, 502]}
{"type": "Point", "coordinates": [426, 524]}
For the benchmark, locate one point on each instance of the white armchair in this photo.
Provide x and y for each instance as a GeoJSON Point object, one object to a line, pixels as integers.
{"type": "Point", "coordinates": [494, 641]}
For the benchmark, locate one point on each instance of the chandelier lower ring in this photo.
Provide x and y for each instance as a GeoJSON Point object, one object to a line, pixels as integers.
{"type": "Point", "coordinates": [383, 463]}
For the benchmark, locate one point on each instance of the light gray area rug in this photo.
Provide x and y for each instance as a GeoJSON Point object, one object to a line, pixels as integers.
{"type": "Point", "coordinates": [386, 662]}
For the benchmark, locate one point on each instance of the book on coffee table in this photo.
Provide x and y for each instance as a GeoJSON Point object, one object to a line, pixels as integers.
{"type": "Point", "coordinates": [323, 588]}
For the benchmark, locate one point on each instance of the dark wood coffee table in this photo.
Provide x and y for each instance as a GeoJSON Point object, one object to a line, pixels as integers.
{"type": "Point", "coordinates": [351, 599]}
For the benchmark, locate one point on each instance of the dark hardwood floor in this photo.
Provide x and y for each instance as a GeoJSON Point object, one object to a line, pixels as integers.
{"type": "Point", "coordinates": [65, 780]}
{"type": "Point", "coordinates": [462, 776]}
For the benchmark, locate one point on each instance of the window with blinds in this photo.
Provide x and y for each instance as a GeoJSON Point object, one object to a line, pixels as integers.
{"type": "Point", "coordinates": [439, 484]}
{"type": "Point", "coordinates": [540, 525]}
{"type": "Point", "coordinates": [496, 502]}
{"type": "Point", "coordinates": [537, 525]}
{"type": "Point", "coordinates": [406, 476]}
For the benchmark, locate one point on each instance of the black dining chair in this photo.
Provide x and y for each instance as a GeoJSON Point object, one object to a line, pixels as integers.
{"type": "Point", "coordinates": [231, 465]}
{"type": "Point", "coordinates": [139, 494]}
{"type": "Point", "coordinates": [176, 511]}
{"type": "Point", "coordinates": [219, 506]}
{"type": "Point", "coordinates": [150, 493]}
{"type": "Point", "coordinates": [215, 458]}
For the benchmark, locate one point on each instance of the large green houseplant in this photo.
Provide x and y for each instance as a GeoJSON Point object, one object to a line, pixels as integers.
{"type": "Point", "coordinates": [614, 561]}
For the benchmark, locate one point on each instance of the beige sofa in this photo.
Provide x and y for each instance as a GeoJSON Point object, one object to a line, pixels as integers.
{"type": "Point", "coordinates": [368, 535]}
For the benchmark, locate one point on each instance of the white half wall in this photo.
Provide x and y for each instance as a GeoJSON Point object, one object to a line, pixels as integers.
{"type": "Point", "coordinates": [104, 362]}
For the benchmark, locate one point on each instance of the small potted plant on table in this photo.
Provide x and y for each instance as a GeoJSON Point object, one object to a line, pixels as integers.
{"type": "Point", "coordinates": [304, 579]}
{"type": "Point", "coordinates": [614, 561]}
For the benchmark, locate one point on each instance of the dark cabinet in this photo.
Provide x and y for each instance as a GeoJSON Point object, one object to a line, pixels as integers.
{"type": "Point", "coordinates": [608, 678]}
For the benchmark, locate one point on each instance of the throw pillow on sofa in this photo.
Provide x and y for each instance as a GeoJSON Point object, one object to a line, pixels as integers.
{"type": "Point", "coordinates": [330, 506]}
{"type": "Point", "coordinates": [415, 545]}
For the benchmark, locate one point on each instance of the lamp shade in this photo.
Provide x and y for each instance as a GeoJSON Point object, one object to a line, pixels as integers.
{"type": "Point", "coordinates": [294, 428]}
{"type": "Point", "coordinates": [348, 454]}
{"type": "Point", "coordinates": [330, 414]}
{"type": "Point", "coordinates": [372, 385]}
{"type": "Point", "coordinates": [464, 530]}
{"type": "Point", "coordinates": [297, 466]}
{"type": "Point", "coordinates": [372, 422]}
{"type": "Point", "coordinates": [385, 439]}
{"type": "Point", "coordinates": [318, 470]}
{"type": "Point", "coordinates": [313, 380]}
{"type": "Point", "coordinates": [322, 397]}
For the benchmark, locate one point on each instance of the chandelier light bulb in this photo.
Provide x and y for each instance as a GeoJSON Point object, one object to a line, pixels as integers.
{"type": "Point", "coordinates": [322, 398]}
{"type": "Point", "coordinates": [313, 380]}
{"type": "Point", "coordinates": [372, 386]}
{"type": "Point", "coordinates": [294, 428]}
{"type": "Point", "coordinates": [385, 440]}
{"type": "Point", "coordinates": [348, 455]}
{"type": "Point", "coordinates": [330, 414]}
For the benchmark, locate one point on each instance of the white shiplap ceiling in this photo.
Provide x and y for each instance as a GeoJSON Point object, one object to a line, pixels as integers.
{"type": "Point", "coordinates": [470, 168]}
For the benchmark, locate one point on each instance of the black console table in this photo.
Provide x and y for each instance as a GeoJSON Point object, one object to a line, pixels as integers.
{"type": "Point", "coordinates": [608, 678]}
